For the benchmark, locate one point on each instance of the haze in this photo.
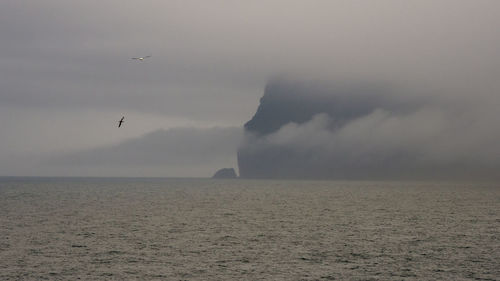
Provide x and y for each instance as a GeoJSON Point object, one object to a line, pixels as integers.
{"type": "Point", "coordinates": [66, 78]}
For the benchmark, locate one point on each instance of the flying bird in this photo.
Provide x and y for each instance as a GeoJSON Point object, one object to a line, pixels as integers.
{"type": "Point", "coordinates": [120, 122]}
{"type": "Point", "coordinates": [141, 58]}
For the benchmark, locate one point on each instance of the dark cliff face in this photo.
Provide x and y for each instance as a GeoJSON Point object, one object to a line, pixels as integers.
{"type": "Point", "coordinates": [310, 130]}
{"type": "Point", "coordinates": [288, 102]}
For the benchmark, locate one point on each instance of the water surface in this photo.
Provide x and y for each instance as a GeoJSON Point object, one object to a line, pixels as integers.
{"type": "Point", "coordinates": [202, 229]}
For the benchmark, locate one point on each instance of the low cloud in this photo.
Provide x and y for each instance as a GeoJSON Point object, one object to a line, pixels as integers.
{"type": "Point", "coordinates": [431, 138]}
{"type": "Point", "coordinates": [211, 59]}
{"type": "Point", "coordinates": [174, 152]}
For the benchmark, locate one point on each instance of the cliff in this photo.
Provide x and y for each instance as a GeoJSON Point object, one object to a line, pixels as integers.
{"type": "Point", "coordinates": [292, 131]}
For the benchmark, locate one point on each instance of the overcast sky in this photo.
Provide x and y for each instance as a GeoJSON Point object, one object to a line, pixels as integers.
{"type": "Point", "coordinates": [66, 76]}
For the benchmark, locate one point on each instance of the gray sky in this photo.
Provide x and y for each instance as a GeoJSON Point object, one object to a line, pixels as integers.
{"type": "Point", "coordinates": [66, 76]}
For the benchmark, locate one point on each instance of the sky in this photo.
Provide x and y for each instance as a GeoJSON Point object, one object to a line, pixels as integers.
{"type": "Point", "coordinates": [66, 76]}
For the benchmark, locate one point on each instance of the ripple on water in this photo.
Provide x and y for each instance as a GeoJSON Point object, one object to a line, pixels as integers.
{"type": "Point", "coordinates": [249, 230]}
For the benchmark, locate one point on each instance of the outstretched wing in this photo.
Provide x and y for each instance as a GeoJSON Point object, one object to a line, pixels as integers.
{"type": "Point", "coordinates": [120, 122]}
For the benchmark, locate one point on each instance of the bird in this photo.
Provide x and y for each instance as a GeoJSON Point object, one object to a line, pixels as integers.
{"type": "Point", "coordinates": [120, 122]}
{"type": "Point", "coordinates": [141, 58]}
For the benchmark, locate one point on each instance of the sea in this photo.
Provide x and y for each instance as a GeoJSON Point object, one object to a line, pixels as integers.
{"type": "Point", "coordinates": [207, 229]}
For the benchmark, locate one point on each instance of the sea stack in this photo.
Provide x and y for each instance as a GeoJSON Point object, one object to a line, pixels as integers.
{"type": "Point", "coordinates": [225, 173]}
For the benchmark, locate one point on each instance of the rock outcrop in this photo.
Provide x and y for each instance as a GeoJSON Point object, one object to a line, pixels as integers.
{"type": "Point", "coordinates": [225, 173]}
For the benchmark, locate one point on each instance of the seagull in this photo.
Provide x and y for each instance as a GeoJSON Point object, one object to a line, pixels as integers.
{"type": "Point", "coordinates": [141, 58]}
{"type": "Point", "coordinates": [120, 122]}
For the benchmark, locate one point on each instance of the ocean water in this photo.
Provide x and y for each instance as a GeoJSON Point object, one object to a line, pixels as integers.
{"type": "Point", "coordinates": [203, 229]}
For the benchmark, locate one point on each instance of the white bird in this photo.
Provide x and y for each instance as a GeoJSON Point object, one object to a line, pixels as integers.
{"type": "Point", "coordinates": [141, 58]}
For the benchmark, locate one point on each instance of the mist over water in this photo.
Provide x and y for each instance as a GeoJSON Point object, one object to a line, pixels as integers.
{"type": "Point", "coordinates": [67, 77]}
{"type": "Point", "coordinates": [187, 229]}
